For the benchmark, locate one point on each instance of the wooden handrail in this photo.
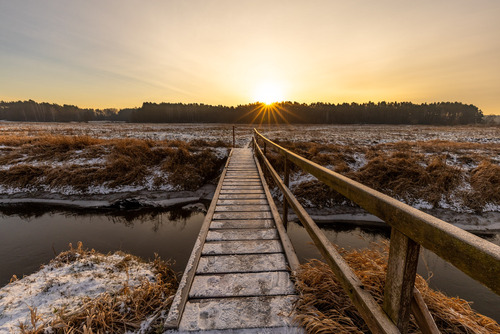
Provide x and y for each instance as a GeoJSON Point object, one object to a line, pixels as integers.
{"type": "Point", "coordinates": [372, 313]}
{"type": "Point", "coordinates": [476, 257]}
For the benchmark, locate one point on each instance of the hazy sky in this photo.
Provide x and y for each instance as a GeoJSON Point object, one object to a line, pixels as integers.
{"type": "Point", "coordinates": [121, 53]}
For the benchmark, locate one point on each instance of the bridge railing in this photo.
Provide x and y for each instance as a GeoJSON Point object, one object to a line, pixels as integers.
{"type": "Point", "coordinates": [411, 228]}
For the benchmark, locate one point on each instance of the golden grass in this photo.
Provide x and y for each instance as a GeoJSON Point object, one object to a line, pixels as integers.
{"type": "Point", "coordinates": [409, 171]}
{"type": "Point", "coordinates": [126, 162]}
{"type": "Point", "coordinates": [324, 307]}
{"type": "Point", "coordinates": [113, 313]}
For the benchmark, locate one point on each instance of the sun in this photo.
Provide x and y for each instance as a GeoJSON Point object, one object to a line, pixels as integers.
{"type": "Point", "coordinates": [269, 93]}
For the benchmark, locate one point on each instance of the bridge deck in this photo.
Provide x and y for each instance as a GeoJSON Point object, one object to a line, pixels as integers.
{"type": "Point", "coordinates": [241, 280]}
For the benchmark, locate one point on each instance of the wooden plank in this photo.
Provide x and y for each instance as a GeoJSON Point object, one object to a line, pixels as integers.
{"type": "Point", "coordinates": [245, 176]}
{"type": "Point", "coordinates": [242, 285]}
{"type": "Point", "coordinates": [400, 278]}
{"type": "Point", "coordinates": [242, 208]}
{"type": "Point", "coordinates": [232, 173]}
{"type": "Point", "coordinates": [241, 187]}
{"type": "Point", "coordinates": [242, 247]}
{"type": "Point", "coordinates": [247, 223]}
{"type": "Point", "coordinates": [243, 183]}
{"type": "Point", "coordinates": [291, 256]}
{"type": "Point", "coordinates": [236, 313]}
{"type": "Point", "coordinates": [242, 215]}
{"type": "Point", "coordinates": [181, 296]}
{"type": "Point", "coordinates": [422, 315]}
{"type": "Point", "coordinates": [242, 191]}
{"type": "Point", "coordinates": [241, 202]}
{"type": "Point", "coordinates": [242, 196]}
{"type": "Point", "coordinates": [237, 177]}
{"type": "Point", "coordinates": [241, 263]}
{"type": "Point", "coordinates": [242, 234]}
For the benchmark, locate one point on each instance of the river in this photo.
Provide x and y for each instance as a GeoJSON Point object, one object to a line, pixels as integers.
{"type": "Point", "coordinates": [31, 235]}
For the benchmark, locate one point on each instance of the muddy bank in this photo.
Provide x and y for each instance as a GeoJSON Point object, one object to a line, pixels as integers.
{"type": "Point", "coordinates": [124, 201]}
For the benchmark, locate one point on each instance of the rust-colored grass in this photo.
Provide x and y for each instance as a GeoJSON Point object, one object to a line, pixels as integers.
{"type": "Point", "coordinates": [48, 160]}
{"type": "Point", "coordinates": [324, 307]}
{"type": "Point", "coordinates": [435, 171]}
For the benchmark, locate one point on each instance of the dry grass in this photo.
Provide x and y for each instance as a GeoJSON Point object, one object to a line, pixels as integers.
{"type": "Point", "coordinates": [114, 313]}
{"type": "Point", "coordinates": [50, 160]}
{"type": "Point", "coordinates": [325, 308]}
{"type": "Point", "coordinates": [434, 171]}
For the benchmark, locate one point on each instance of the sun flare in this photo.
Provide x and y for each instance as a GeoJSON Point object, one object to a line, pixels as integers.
{"type": "Point", "coordinates": [269, 92]}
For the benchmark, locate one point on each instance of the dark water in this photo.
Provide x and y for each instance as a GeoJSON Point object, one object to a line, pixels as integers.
{"type": "Point", "coordinates": [445, 277]}
{"type": "Point", "coordinates": [30, 239]}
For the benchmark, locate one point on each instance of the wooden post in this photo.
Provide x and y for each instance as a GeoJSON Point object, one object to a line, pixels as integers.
{"type": "Point", "coordinates": [264, 148]}
{"type": "Point", "coordinates": [400, 279]}
{"type": "Point", "coordinates": [286, 181]}
{"type": "Point", "coordinates": [234, 139]}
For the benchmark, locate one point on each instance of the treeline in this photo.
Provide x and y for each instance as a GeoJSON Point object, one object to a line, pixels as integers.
{"type": "Point", "coordinates": [31, 111]}
{"type": "Point", "coordinates": [442, 113]}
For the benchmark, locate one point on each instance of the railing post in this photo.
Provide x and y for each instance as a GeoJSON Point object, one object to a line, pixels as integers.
{"type": "Point", "coordinates": [264, 148]}
{"type": "Point", "coordinates": [234, 139]}
{"type": "Point", "coordinates": [286, 181]}
{"type": "Point", "coordinates": [400, 279]}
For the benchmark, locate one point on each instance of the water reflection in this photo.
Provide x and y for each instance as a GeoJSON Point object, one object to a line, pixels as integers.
{"type": "Point", "coordinates": [442, 275]}
{"type": "Point", "coordinates": [32, 236]}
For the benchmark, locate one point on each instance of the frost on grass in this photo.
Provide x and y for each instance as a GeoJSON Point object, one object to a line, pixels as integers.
{"type": "Point", "coordinates": [83, 289]}
{"type": "Point", "coordinates": [83, 165]}
{"type": "Point", "coordinates": [459, 176]}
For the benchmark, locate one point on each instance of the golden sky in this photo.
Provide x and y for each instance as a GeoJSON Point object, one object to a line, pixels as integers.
{"type": "Point", "coordinates": [120, 53]}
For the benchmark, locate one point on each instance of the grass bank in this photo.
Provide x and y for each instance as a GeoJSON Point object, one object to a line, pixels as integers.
{"type": "Point", "coordinates": [460, 176]}
{"type": "Point", "coordinates": [324, 307]}
{"type": "Point", "coordinates": [83, 291]}
{"type": "Point", "coordinates": [88, 165]}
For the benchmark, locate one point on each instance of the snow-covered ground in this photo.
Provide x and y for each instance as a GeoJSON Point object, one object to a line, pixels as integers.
{"type": "Point", "coordinates": [66, 285]}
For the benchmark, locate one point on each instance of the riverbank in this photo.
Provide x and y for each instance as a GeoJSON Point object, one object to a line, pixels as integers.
{"type": "Point", "coordinates": [83, 290]}
{"type": "Point", "coordinates": [324, 307]}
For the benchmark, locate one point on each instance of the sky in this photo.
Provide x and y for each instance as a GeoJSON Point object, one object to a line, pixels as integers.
{"type": "Point", "coordinates": [121, 53]}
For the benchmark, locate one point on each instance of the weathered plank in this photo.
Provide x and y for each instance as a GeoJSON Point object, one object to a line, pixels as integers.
{"type": "Point", "coordinates": [242, 234]}
{"type": "Point", "coordinates": [245, 188]}
{"type": "Point", "coordinates": [243, 183]}
{"type": "Point", "coordinates": [242, 215]}
{"type": "Point", "coordinates": [400, 278]}
{"type": "Point", "coordinates": [242, 247]}
{"type": "Point", "coordinates": [245, 223]}
{"type": "Point", "coordinates": [234, 313]}
{"type": "Point", "coordinates": [245, 176]}
{"type": "Point", "coordinates": [242, 191]}
{"type": "Point", "coordinates": [241, 263]}
{"type": "Point", "coordinates": [242, 208]}
{"type": "Point", "coordinates": [242, 196]}
{"type": "Point", "coordinates": [243, 284]}
{"type": "Point", "coordinates": [241, 202]}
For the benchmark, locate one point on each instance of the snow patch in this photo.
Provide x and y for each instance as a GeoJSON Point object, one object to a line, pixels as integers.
{"type": "Point", "coordinates": [65, 286]}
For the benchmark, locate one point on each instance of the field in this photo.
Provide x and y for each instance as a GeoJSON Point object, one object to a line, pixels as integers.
{"type": "Point", "coordinates": [442, 168]}
{"type": "Point", "coordinates": [452, 169]}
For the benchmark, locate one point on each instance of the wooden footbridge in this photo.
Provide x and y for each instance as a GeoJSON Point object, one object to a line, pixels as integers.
{"type": "Point", "coordinates": [238, 277]}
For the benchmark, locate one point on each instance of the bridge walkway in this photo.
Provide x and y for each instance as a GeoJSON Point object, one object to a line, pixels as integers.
{"type": "Point", "coordinates": [240, 276]}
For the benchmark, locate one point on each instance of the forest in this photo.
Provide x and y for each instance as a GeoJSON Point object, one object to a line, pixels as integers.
{"type": "Point", "coordinates": [440, 113]}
